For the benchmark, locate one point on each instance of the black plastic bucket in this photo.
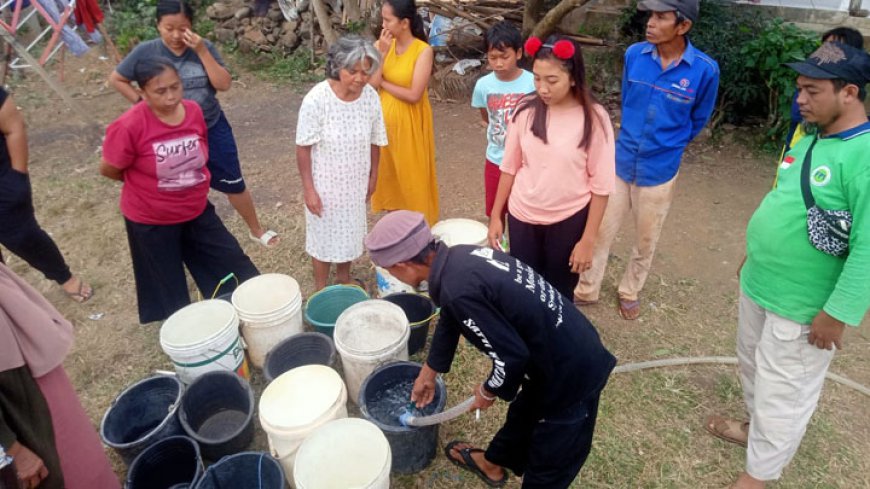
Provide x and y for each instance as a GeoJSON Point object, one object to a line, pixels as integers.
{"type": "Point", "coordinates": [420, 310]}
{"type": "Point", "coordinates": [298, 350]}
{"type": "Point", "coordinates": [246, 470]}
{"type": "Point", "coordinates": [141, 415]}
{"type": "Point", "coordinates": [217, 410]}
{"type": "Point", "coordinates": [412, 448]}
{"type": "Point", "coordinates": [171, 463]}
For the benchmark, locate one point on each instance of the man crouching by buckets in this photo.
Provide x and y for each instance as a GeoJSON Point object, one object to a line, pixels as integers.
{"type": "Point", "coordinates": [547, 359]}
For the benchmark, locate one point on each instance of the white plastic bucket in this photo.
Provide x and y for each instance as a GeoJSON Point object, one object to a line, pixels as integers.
{"type": "Point", "coordinates": [367, 335]}
{"type": "Point", "coordinates": [270, 307]}
{"type": "Point", "coordinates": [343, 454]}
{"type": "Point", "coordinates": [388, 284]}
{"type": "Point", "coordinates": [295, 404]}
{"type": "Point", "coordinates": [461, 232]}
{"type": "Point", "coordinates": [203, 337]}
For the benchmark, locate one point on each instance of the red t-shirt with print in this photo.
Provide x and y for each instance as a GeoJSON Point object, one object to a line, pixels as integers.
{"type": "Point", "coordinates": [165, 175]}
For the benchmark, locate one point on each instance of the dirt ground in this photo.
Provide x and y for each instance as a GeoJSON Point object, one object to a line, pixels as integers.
{"type": "Point", "coordinates": [650, 432]}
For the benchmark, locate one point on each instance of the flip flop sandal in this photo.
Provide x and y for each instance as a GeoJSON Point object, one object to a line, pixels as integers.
{"type": "Point", "coordinates": [727, 429]}
{"type": "Point", "coordinates": [629, 310]}
{"type": "Point", "coordinates": [470, 465]}
{"type": "Point", "coordinates": [582, 303]}
{"type": "Point", "coordinates": [265, 238]}
{"type": "Point", "coordinates": [83, 294]}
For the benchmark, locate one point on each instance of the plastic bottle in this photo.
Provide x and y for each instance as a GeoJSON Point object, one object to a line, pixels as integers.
{"type": "Point", "coordinates": [8, 474]}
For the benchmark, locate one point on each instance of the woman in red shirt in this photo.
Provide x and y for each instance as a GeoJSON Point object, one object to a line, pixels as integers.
{"type": "Point", "coordinates": [159, 149]}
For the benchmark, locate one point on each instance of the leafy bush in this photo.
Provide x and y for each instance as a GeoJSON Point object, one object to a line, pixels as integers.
{"type": "Point", "coordinates": [750, 49]}
{"type": "Point", "coordinates": [295, 67]}
{"type": "Point", "coordinates": [777, 44]}
{"type": "Point", "coordinates": [132, 22]}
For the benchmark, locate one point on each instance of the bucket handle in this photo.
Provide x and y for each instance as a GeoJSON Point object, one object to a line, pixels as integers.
{"type": "Point", "coordinates": [224, 281]}
{"type": "Point", "coordinates": [434, 314]}
{"type": "Point", "coordinates": [221, 284]}
{"type": "Point", "coordinates": [312, 296]}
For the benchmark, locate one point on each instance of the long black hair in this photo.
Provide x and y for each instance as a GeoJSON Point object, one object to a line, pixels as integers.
{"type": "Point", "coordinates": [579, 90]}
{"type": "Point", "coordinates": [172, 7]}
{"type": "Point", "coordinates": [407, 9]}
{"type": "Point", "coordinates": [148, 68]}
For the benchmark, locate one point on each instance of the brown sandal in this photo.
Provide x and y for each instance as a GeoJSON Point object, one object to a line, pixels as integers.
{"type": "Point", "coordinates": [728, 429]}
{"type": "Point", "coordinates": [629, 309]}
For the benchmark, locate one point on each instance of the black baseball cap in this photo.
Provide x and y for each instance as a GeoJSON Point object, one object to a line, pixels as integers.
{"type": "Point", "coordinates": [689, 8]}
{"type": "Point", "coordinates": [836, 61]}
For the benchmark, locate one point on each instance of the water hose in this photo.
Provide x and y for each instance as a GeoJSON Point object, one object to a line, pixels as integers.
{"type": "Point", "coordinates": [676, 362]}
{"type": "Point", "coordinates": [407, 419]}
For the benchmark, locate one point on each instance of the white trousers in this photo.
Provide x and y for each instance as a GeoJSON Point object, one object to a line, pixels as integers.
{"type": "Point", "coordinates": [782, 376]}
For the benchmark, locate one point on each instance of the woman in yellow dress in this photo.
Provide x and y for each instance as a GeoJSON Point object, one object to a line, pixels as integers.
{"type": "Point", "coordinates": [406, 177]}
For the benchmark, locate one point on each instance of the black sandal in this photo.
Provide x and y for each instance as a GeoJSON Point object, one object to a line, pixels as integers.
{"type": "Point", "coordinates": [470, 465]}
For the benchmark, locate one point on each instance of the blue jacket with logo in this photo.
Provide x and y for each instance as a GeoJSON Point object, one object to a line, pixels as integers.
{"type": "Point", "coordinates": [662, 111]}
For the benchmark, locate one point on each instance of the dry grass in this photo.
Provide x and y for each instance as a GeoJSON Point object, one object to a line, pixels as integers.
{"type": "Point", "coordinates": [649, 432]}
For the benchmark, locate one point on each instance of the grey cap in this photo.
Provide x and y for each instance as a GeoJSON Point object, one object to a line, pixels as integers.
{"type": "Point", "coordinates": [689, 8]}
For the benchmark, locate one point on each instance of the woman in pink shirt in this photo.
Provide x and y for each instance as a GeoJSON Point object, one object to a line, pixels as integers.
{"type": "Point", "coordinates": [159, 149]}
{"type": "Point", "coordinates": [558, 168]}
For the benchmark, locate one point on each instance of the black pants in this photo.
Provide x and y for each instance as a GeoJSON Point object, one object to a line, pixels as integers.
{"type": "Point", "coordinates": [160, 253]}
{"type": "Point", "coordinates": [547, 248]}
{"type": "Point", "coordinates": [547, 452]}
{"type": "Point", "coordinates": [21, 234]}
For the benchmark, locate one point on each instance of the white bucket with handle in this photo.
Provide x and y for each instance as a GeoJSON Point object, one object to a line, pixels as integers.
{"type": "Point", "coordinates": [367, 335]}
{"type": "Point", "coordinates": [270, 307]}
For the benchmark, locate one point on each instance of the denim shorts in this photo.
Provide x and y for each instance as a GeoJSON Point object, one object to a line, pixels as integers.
{"type": "Point", "coordinates": [223, 158]}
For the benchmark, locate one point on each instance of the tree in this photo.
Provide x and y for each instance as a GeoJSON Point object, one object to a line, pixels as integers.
{"type": "Point", "coordinates": [324, 22]}
{"type": "Point", "coordinates": [551, 20]}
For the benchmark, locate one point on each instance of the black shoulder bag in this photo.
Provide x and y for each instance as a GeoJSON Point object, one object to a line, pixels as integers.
{"type": "Point", "coordinates": [828, 230]}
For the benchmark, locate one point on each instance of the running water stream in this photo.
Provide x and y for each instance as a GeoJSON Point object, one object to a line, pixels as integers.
{"type": "Point", "coordinates": [393, 401]}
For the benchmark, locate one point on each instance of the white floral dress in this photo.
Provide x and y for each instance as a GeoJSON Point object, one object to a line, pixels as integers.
{"type": "Point", "coordinates": [341, 134]}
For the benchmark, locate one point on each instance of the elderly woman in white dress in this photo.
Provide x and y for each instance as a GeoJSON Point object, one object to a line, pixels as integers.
{"type": "Point", "coordinates": [338, 139]}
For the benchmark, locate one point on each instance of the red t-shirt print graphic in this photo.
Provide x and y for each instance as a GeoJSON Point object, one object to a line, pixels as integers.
{"type": "Point", "coordinates": [179, 163]}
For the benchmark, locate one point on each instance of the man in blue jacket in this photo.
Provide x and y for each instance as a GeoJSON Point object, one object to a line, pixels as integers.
{"type": "Point", "coordinates": [668, 94]}
{"type": "Point", "coordinates": [547, 359]}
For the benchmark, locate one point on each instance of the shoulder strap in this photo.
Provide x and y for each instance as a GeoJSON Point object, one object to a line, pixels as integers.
{"type": "Point", "coordinates": [809, 201]}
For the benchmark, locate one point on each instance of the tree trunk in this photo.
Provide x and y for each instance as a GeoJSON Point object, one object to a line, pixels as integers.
{"type": "Point", "coordinates": [352, 10]}
{"type": "Point", "coordinates": [531, 14]}
{"type": "Point", "coordinates": [548, 24]}
{"type": "Point", "coordinates": [323, 21]}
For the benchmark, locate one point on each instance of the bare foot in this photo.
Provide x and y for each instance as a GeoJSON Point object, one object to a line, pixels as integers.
{"type": "Point", "coordinates": [746, 481]}
{"type": "Point", "coordinates": [77, 289]}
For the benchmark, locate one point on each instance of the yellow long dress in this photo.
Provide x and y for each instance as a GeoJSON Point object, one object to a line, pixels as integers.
{"type": "Point", "coordinates": [406, 175]}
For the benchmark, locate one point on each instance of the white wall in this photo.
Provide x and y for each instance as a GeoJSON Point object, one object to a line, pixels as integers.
{"type": "Point", "coordinates": [841, 5]}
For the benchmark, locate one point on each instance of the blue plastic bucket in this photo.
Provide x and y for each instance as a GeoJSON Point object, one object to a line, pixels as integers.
{"type": "Point", "coordinates": [246, 470]}
{"type": "Point", "coordinates": [171, 463]}
{"type": "Point", "coordinates": [324, 307]}
{"type": "Point", "coordinates": [420, 311]}
{"type": "Point", "coordinates": [413, 448]}
{"type": "Point", "coordinates": [141, 415]}
{"type": "Point", "coordinates": [298, 350]}
{"type": "Point", "coordinates": [217, 410]}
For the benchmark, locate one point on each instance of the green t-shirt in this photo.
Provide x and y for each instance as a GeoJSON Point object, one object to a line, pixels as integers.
{"type": "Point", "coordinates": [784, 273]}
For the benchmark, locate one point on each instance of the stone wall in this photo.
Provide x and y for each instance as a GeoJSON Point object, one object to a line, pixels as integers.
{"type": "Point", "coordinates": [235, 22]}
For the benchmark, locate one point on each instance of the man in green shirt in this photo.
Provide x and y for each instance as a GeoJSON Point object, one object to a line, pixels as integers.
{"type": "Point", "coordinates": [796, 300]}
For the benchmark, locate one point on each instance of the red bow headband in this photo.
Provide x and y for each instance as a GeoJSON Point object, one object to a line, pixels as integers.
{"type": "Point", "coordinates": [562, 49]}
